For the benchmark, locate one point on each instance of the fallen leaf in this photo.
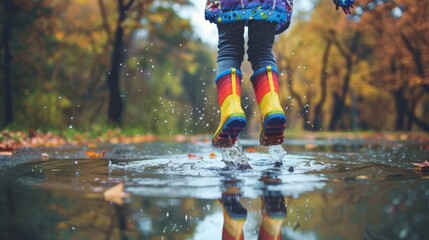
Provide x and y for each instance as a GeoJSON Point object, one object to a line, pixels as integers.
{"type": "Point", "coordinates": [44, 156]}
{"type": "Point", "coordinates": [310, 146]}
{"type": "Point", "coordinates": [194, 156]}
{"type": "Point", "coordinates": [180, 138]}
{"type": "Point", "coordinates": [336, 180]}
{"type": "Point", "coordinates": [362, 177]}
{"type": "Point", "coordinates": [93, 154]}
{"type": "Point", "coordinates": [423, 166]}
{"type": "Point", "coordinates": [212, 155]}
{"type": "Point", "coordinates": [91, 145]}
{"type": "Point", "coordinates": [250, 149]}
{"type": "Point", "coordinates": [116, 194]}
{"type": "Point", "coordinates": [6, 153]}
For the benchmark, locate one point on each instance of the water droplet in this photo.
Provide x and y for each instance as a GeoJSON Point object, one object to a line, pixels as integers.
{"type": "Point", "coordinates": [397, 12]}
{"type": "Point", "coordinates": [277, 152]}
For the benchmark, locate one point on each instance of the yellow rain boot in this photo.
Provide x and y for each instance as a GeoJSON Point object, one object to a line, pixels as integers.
{"type": "Point", "coordinates": [274, 212]}
{"type": "Point", "coordinates": [232, 118]}
{"type": "Point", "coordinates": [273, 120]}
{"type": "Point", "coordinates": [234, 217]}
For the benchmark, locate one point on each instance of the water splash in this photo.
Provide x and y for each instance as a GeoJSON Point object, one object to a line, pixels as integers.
{"type": "Point", "coordinates": [235, 157]}
{"type": "Point", "coordinates": [277, 153]}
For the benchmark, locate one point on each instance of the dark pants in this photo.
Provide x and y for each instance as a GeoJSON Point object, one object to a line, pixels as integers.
{"type": "Point", "coordinates": [231, 45]}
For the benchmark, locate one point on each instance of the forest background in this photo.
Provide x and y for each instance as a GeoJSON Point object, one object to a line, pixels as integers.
{"type": "Point", "coordinates": [141, 64]}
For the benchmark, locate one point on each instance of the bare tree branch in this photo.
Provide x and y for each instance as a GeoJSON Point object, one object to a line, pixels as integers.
{"type": "Point", "coordinates": [106, 26]}
{"type": "Point", "coordinates": [128, 5]}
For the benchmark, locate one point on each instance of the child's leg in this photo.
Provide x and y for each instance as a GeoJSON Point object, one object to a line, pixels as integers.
{"type": "Point", "coordinates": [230, 46]}
{"type": "Point", "coordinates": [261, 39]}
{"type": "Point", "coordinates": [265, 82]}
{"type": "Point", "coordinates": [228, 82]}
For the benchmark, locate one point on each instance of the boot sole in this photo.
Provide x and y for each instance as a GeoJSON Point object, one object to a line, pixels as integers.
{"type": "Point", "coordinates": [273, 129]}
{"type": "Point", "coordinates": [229, 133]}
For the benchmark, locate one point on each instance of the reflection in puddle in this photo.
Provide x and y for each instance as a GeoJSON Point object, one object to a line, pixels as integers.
{"type": "Point", "coordinates": [355, 191]}
{"type": "Point", "coordinates": [273, 210]}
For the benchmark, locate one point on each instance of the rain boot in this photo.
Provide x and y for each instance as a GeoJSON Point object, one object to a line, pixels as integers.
{"type": "Point", "coordinates": [232, 118]}
{"type": "Point", "coordinates": [273, 211]}
{"type": "Point", "coordinates": [234, 217]}
{"type": "Point", "coordinates": [273, 120]}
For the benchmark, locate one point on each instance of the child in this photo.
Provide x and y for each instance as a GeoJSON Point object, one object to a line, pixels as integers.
{"type": "Point", "coordinates": [264, 19]}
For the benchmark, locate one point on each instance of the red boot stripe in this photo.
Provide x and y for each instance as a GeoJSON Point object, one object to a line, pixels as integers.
{"type": "Point", "coordinates": [260, 92]}
{"type": "Point", "coordinates": [224, 87]}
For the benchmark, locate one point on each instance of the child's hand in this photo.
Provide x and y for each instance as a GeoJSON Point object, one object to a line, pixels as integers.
{"type": "Point", "coordinates": [347, 9]}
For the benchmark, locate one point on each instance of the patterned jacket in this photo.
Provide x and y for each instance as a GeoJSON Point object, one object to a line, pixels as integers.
{"type": "Point", "coordinates": [279, 11]}
{"type": "Point", "coordinates": [226, 11]}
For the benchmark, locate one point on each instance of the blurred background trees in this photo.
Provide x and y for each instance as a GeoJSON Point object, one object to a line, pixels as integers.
{"type": "Point", "coordinates": [140, 64]}
{"type": "Point", "coordinates": [366, 71]}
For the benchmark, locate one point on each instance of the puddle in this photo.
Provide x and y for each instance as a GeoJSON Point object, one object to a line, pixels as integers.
{"type": "Point", "coordinates": [336, 189]}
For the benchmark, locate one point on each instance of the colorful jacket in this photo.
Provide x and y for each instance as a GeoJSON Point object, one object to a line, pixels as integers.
{"type": "Point", "coordinates": [279, 11]}
{"type": "Point", "coordinates": [226, 11]}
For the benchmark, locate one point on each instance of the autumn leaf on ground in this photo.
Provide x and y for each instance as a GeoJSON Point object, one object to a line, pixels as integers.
{"type": "Point", "coordinates": [194, 156]}
{"type": "Point", "coordinates": [91, 145]}
{"type": "Point", "coordinates": [6, 149]}
{"type": "Point", "coordinates": [423, 166]}
{"type": "Point", "coordinates": [93, 154]}
{"type": "Point", "coordinates": [212, 155]}
{"type": "Point", "coordinates": [310, 146]}
{"type": "Point", "coordinates": [250, 149]}
{"type": "Point", "coordinates": [44, 156]}
{"type": "Point", "coordinates": [6, 153]}
{"type": "Point", "coordinates": [116, 194]}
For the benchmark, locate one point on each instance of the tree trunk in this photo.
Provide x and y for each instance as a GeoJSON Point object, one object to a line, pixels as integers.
{"type": "Point", "coordinates": [336, 115]}
{"type": "Point", "coordinates": [340, 101]}
{"type": "Point", "coordinates": [421, 123]}
{"type": "Point", "coordinates": [401, 109]}
{"type": "Point", "coordinates": [9, 10]}
{"type": "Point", "coordinates": [417, 55]}
{"type": "Point", "coordinates": [115, 100]}
{"type": "Point", "coordinates": [420, 69]}
{"type": "Point", "coordinates": [305, 112]}
{"type": "Point", "coordinates": [318, 120]}
{"type": "Point", "coordinates": [303, 108]}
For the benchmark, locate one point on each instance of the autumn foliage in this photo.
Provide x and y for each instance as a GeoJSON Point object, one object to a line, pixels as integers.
{"type": "Point", "coordinates": [139, 63]}
{"type": "Point", "coordinates": [367, 71]}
